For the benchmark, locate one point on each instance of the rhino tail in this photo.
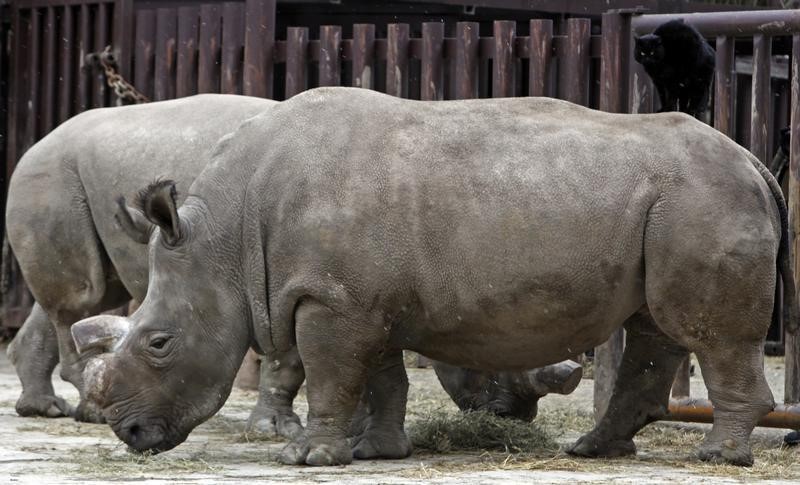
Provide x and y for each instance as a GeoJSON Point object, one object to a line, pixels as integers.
{"type": "Point", "coordinates": [790, 310]}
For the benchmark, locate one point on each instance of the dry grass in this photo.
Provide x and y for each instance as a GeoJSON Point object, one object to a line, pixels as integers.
{"type": "Point", "coordinates": [116, 462]}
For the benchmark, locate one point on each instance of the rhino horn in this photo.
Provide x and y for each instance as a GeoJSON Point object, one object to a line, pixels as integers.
{"type": "Point", "coordinates": [560, 378]}
{"type": "Point", "coordinates": [102, 332]}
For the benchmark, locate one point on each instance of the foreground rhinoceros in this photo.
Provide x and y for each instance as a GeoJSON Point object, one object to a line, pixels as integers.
{"type": "Point", "coordinates": [498, 234]}
{"type": "Point", "coordinates": [60, 221]}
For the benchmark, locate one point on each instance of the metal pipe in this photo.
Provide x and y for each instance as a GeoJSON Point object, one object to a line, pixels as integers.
{"type": "Point", "coordinates": [693, 410]}
{"type": "Point", "coordinates": [712, 24]}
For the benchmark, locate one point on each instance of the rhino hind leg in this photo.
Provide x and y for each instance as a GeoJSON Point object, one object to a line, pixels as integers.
{"type": "Point", "coordinates": [386, 392]}
{"type": "Point", "coordinates": [337, 365]}
{"type": "Point", "coordinates": [34, 354]}
{"type": "Point", "coordinates": [641, 392]}
{"type": "Point", "coordinates": [281, 378]}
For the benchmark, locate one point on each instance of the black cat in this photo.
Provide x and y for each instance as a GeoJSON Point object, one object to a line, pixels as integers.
{"type": "Point", "coordinates": [681, 64]}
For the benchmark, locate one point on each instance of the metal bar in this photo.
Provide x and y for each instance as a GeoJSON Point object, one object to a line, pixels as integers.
{"type": "Point", "coordinates": [725, 85]}
{"type": "Point", "coordinates": [466, 65]}
{"type": "Point", "coordinates": [84, 47]}
{"type": "Point", "coordinates": [691, 410]}
{"type": "Point", "coordinates": [330, 71]}
{"type": "Point", "coordinates": [761, 101]}
{"type": "Point", "coordinates": [503, 62]}
{"type": "Point", "coordinates": [540, 46]}
{"type": "Point", "coordinates": [614, 57]}
{"type": "Point", "coordinates": [681, 386]}
{"type": "Point", "coordinates": [67, 62]}
{"type": "Point", "coordinates": [574, 76]}
{"type": "Point", "coordinates": [712, 24]}
{"type": "Point", "coordinates": [186, 68]}
{"type": "Point", "coordinates": [145, 54]}
{"type": "Point", "coordinates": [363, 53]}
{"type": "Point", "coordinates": [101, 40]}
{"type": "Point", "coordinates": [209, 49]}
{"type": "Point", "coordinates": [397, 60]}
{"type": "Point", "coordinates": [166, 38]}
{"type": "Point", "coordinates": [792, 355]}
{"type": "Point", "coordinates": [432, 86]}
{"type": "Point", "coordinates": [607, 358]}
{"type": "Point", "coordinates": [296, 60]}
{"type": "Point", "coordinates": [232, 47]}
{"type": "Point", "coordinates": [259, 46]}
{"type": "Point", "coordinates": [49, 75]}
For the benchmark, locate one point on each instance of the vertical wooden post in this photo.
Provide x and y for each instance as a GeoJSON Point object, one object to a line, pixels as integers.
{"type": "Point", "coordinates": [574, 79]}
{"type": "Point", "coordinates": [166, 35]}
{"type": "Point", "coordinates": [296, 60]}
{"type": "Point", "coordinates": [32, 106]}
{"type": "Point", "coordinates": [123, 35]}
{"type": "Point", "coordinates": [724, 85]}
{"type": "Point", "coordinates": [505, 31]}
{"type": "Point", "coordinates": [209, 49]}
{"type": "Point", "coordinates": [615, 56]}
{"type": "Point", "coordinates": [363, 55]}
{"type": "Point", "coordinates": [232, 45]}
{"type": "Point", "coordinates": [397, 60]}
{"type": "Point", "coordinates": [186, 69]}
{"type": "Point", "coordinates": [145, 55]}
{"type": "Point", "coordinates": [792, 355]}
{"type": "Point", "coordinates": [101, 40]}
{"type": "Point", "coordinates": [67, 60]}
{"type": "Point", "coordinates": [85, 47]}
{"type": "Point", "coordinates": [49, 78]}
{"type": "Point", "coordinates": [761, 102]}
{"type": "Point", "coordinates": [259, 46]}
{"type": "Point", "coordinates": [432, 88]}
{"type": "Point", "coordinates": [541, 57]}
{"type": "Point", "coordinates": [330, 41]}
{"type": "Point", "coordinates": [466, 71]}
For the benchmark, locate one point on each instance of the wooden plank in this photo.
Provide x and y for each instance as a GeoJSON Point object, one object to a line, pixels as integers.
{"type": "Point", "coordinates": [259, 46]}
{"type": "Point", "coordinates": [186, 68]}
{"type": "Point", "coordinates": [724, 85]}
{"type": "Point", "coordinates": [49, 64]}
{"type": "Point", "coordinates": [296, 60]}
{"type": "Point", "coordinates": [32, 107]}
{"type": "Point", "coordinates": [761, 101]}
{"type": "Point", "coordinates": [503, 62]}
{"type": "Point", "coordinates": [363, 54]}
{"type": "Point", "coordinates": [18, 58]}
{"type": "Point", "coordinates": [123, 36]}
{"type": "Point", "coordinates": [101, 40]}
{"type": "Point", "coordinates": [397, 60]}
{"type": "Point", "coordinates": [540, 46]}
{"type": "Point", "coordinates": [614, 56]}
{"type": "Point", "coordinates": [165, 54]}
{"type": "Point", "coordinates": [145, 52]}
{"type": "Point", "coordinates": [607, 358]}
{"type": "Point", "coordinates": [431, 83]}
{"type": "Point", "coordinates": [574, 75]}
{"type": "Point", "coordinates": [84, 47]}
{"type": "Point", "coordinates": [466, 65]}
{"type": "Point", "coordinates": [67, 62]}
{"type": "Point", "coordinates": [330, 70]}
{"type": "Point", "coordinates": [792, 355]}
{"type": "Point", "coordinates": [232, 47]}
{"type": "Point", "coordinates": [209, 49]}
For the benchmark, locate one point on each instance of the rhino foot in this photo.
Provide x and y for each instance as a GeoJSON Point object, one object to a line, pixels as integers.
{"type": "Point", "coordinates": [316, 452]}
{"type": "Point", "coordinates": [591, 446]}
{"type": "Point", "coordinates": [728, 451]}
{"type": "Point", "coordinates": [275, 423]}
{"type": "Point", "coordinates": [389, 444]}
{"type": "Point", "coordinates": [88, 413]}
{"type": "Point", "coordinates": [49, 406]}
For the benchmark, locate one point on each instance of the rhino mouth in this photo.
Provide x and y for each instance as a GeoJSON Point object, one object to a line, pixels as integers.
{"type": "Point", "coordinates": [147, 436]}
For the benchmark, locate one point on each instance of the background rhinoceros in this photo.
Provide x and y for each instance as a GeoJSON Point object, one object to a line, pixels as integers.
{"type": "Point", "coordinates": [502, 234]}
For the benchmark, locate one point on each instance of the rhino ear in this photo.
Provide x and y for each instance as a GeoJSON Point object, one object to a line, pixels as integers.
{"type": "Point", "coordinates": [159, 204]}
{"type": "Point", "coordinates": [102, 333]}
{"type": "Point", "coordinates": [133, 222]}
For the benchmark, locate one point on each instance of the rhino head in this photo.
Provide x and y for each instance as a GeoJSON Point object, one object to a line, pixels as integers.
{"type": "Point", "coordinates": [170, 365]}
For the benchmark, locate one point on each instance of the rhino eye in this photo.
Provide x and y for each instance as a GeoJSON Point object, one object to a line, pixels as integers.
{"type": "Point", "coordinates": [159, 342]}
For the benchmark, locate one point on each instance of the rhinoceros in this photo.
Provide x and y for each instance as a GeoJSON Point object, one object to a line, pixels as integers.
{"type": "Point", "coordinates": [498, 234]}
{"type": "Point", "coordinates": [76, 171]}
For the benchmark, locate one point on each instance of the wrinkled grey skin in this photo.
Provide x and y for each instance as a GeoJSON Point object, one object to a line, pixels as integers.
{"type": "Point", "coordinates": [498, 234]}
{"type": "Point", "coordinates": [60, 222]}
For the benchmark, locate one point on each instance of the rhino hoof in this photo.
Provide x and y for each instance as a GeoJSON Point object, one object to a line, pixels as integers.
{"type": "Point", "coordinates": [48, 406]}
{"type": "Point", "coordinates": [373, 444]}
{"type": "Point", "coordinates": [322, 453]}
{"type": "Point", "coordinates": [273, 423]}
{"type": "Point", "coordinates": [88, 413]}
{"type": "Point", "coordinates": [728, 451]}
{"type": "Point", "coordinates": [590, 446]}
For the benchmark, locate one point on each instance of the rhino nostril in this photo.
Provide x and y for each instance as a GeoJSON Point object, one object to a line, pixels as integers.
{"type": "Point", "coordinates": [133, 432]}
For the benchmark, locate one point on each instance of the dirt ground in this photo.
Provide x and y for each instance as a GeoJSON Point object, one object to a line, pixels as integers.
{"type": "Point", "coordinates": [36, 450]}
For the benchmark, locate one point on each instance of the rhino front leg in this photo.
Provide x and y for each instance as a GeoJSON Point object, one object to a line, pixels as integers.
{"type": "Point", "coordinates": [34, 354]}
{"type": "Point", "coordinates": [386, 393]}
{"type": "Point", "coordinates": [337, 351]}
{"type": "Point", "coordinates": [281, 378]}
{"type": "Point", "coordinates": [641, 393]}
